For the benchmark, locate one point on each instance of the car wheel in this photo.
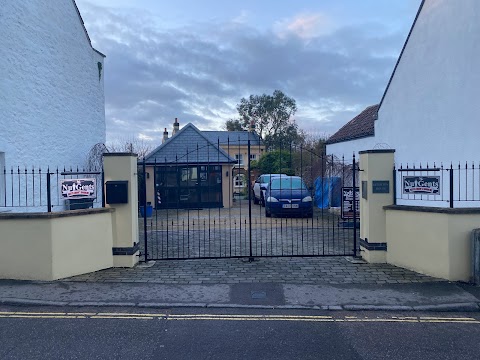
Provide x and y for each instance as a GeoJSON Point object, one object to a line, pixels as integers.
{"type": "Point", "coordinates": [262, 201]}
{"type": "Point", "coordinates": [267, 213]}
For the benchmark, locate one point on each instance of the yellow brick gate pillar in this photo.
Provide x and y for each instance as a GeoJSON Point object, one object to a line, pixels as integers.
{"type": "Point", "coordinates": [121, 193]}
{"type": "Point", "coordinates": [376, 191]}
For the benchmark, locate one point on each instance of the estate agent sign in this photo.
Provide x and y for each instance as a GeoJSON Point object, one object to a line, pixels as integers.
{"type": "Point", "coordinates": [77, 189]}
{"type": "Point", "coordinates": [421, 185]}
{"type": "Point", "coordinates": [347, 202]}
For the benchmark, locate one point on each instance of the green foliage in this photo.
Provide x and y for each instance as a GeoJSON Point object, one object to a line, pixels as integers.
{"type": "Point", "coordinates": [234, 125]}
{"type": "Point", "coordinates": [275, 162]}
{"type": "Point", "coordinates": [272, 116]}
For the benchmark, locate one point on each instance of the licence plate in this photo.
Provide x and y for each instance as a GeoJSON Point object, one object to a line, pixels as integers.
{"type": "Point", "coordinates": [290, 206]}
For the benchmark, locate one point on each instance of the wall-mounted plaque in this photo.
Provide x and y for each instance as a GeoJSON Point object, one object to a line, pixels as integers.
{"type": "Point", "coordinates": [380, 186]}
{"type": "Point", "coordinates": [365, 190]}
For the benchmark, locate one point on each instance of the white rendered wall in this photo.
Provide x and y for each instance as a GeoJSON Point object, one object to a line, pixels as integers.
{"type": "Point", "coordinates": [51, 98]}
{"type": "Point", "coordinates": [431, 111]}
{"type": "Point", "coordinates": [347, 148]}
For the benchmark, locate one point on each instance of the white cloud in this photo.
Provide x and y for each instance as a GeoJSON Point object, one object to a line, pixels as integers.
{"type": "Point", "coordinates": [242, 18]}
{"type": "Point", "coordinates": [198, 73]}
{"type": "Point", "coordinates": [304, 26]}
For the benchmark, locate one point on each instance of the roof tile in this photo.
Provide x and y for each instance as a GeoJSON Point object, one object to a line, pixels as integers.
{"type": "Point", "coordinates": [360, 126]}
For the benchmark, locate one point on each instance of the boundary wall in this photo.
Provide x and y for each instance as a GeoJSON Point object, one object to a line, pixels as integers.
{"type": "Point", "coordinates": [56, 245]}
{"type": "Point", "coordinates": [429, 240]}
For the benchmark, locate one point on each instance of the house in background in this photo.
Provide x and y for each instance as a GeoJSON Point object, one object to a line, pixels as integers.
{"type": "Point", "coordinates": [235, 143]}
{"type": "Point", "coordinates": [189, 171]}
{"type": "Point", "coordinates": [430, 109]}
{"type": "Point", "coordinates": [51, 92]}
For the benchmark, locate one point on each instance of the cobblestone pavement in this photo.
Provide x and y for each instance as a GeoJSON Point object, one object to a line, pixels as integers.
{"type": "Point", "coordinates": [292, 270]}
{"type": "Point", "coordinates": [205, 233]}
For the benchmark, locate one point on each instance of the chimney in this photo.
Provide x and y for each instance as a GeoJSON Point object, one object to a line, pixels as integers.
{"type": "Point", "coordinates": [251, 127]}
{"type": "Point", "coordinates": [165, 136]}
{"type": "Point", "coordinates": [176, 127]}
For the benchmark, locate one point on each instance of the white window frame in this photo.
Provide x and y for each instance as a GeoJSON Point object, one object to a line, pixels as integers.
{"type": "Point", "coordinates": [239, 158]}
{"type": "Point", "coordinates": [239, 181]}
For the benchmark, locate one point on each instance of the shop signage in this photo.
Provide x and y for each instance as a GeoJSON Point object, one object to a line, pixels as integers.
{"type": "Point", "coordinates": [421, 185]}
{"type": "Point", "coordinates": [77, 189]}
{"type": "Point", "coordinates": [347, 202]}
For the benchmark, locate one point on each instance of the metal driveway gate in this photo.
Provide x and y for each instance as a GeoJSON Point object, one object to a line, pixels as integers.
{"type": "Point", "coordinates": [198, 203]}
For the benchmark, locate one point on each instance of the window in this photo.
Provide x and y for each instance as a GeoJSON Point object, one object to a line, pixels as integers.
{"type": "Point", "coordinates": [239, 181]}
{"type": "Point", "coordinates": [239, 158]}
{"type": "Point", "coordinates": [253, 156]}
{"type": "Point", "coordinates": [288, 183]}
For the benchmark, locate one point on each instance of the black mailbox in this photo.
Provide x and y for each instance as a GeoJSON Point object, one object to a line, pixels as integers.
{"type": "Point", "coordinates": [116, 192]}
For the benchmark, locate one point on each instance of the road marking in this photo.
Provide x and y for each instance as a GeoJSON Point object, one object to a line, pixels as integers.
{"type": "Point", "coordinates": [444, 318]}
{"type": "Point", "coordinates": [130, 314]}
{"type": "Point", "coordinates": [237, 317]}
{"type": "Point", "coordinates": [122, 317]}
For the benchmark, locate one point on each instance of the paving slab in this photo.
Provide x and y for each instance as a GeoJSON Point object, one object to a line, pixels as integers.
{"type": "Point", "coordinates": [299, 270]}
{"type": "Point", "coordinates": [336, 283]}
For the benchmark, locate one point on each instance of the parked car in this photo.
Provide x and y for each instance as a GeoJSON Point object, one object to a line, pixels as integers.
{"type": "Point", "coordinates": [288, 196]}
{"type": "Point", "coordinates": [260, 185]}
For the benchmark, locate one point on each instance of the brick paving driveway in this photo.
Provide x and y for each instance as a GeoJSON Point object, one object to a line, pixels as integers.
{"type": "Point", "coordinates": [282, 270]}
{"type": "Point", "coordinates": [204, 233]}
{"type": "Point", "coordinates": [293, 270]}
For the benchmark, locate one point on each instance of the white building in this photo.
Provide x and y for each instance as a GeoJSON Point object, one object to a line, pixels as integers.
{"type": "Point", "coordinates": [357, 134]}
{"type": "Point", "coordinates": [51, 85]}
{"type": "Point", "coordinates": [52, 101]}
{"type": "Point", "coordinates": [430, 110]}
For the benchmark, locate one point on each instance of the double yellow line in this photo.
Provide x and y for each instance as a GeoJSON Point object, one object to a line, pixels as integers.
{"type": "Point", "coordinates": [234, 317]}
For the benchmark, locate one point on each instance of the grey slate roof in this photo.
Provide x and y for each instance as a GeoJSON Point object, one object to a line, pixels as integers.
{"type": "Point", "coordinates": [233, 137]}
{"type": "Point", "coordinates": [188, 146]}
{"type": "Point", "coordinates": [362, 125]}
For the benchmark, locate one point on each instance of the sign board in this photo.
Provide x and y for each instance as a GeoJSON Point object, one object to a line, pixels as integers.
{"type": "Point", "coordinates": [347, 202]}
{"type": "Point", "coordinates": [421, 185]}
{"type": "Point", "coordinates": [77, 189]}
{"type": "Point", "coordinates": [380, 186]}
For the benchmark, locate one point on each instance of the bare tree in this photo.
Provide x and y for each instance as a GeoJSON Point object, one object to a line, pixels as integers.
{"type": "Point", "coordinates": [94, 160]}
{"type": "Point", "coordinates": [131, 145]}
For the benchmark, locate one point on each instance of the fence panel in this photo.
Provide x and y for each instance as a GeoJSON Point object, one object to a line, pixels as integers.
{"type": "Point", "coordinates": [454, 186]}
{"type": "Point", "coordinates": [37, 189]}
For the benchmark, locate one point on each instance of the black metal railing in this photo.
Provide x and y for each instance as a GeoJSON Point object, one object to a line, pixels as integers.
{"type": "Point", "coordinates": [438, 184]}
{"type": "Point", "coordinates": [37, 189]}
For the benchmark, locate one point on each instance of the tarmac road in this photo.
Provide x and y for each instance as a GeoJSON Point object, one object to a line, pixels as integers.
{"type": "Point", "coordinates": [49, 333]}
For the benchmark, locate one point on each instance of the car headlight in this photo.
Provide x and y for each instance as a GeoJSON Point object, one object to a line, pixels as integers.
{"type": "Point", "coordinates": [272, 199]}
{"type": "Point", "coordinates": [307, 199]}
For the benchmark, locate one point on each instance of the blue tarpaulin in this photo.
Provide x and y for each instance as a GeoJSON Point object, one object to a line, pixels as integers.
{"type": "Point", "coordinates": [328, 192]}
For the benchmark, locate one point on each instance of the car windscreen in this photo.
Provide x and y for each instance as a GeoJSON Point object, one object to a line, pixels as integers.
{"type": "Point", "coordinates": [287, 183]}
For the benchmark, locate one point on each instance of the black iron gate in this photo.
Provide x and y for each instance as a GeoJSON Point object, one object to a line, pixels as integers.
{"type": "Point", "coordinates": [193, 206]}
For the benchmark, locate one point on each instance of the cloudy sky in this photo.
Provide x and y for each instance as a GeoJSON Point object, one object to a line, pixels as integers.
{"type": "Point", "coordinates": [195, 60]}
